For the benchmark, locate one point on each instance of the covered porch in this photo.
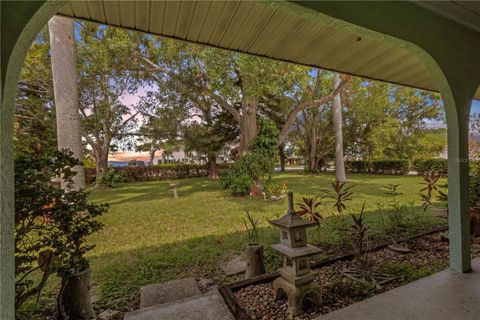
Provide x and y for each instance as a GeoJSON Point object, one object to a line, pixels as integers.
{"type": "Point", "coordinates": [427, 45]}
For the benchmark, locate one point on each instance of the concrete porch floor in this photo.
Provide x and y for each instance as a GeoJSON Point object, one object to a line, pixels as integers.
{"type": "Point", "coordinates": [442, 296]}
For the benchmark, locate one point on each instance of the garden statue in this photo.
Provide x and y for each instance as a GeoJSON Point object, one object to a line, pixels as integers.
{"type": "Point", "coordinates": [174, 189]}
{"type": "Point", "coordinates": [296, 278]}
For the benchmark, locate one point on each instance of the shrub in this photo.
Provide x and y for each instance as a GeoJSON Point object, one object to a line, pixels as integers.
{"type": "Point", "coordinates": [389, 166]}
{"type": "Point", "coordinates": [239, 184]}
{"type": "Point", "coordinates": [474, 191]}
{"type": "Point", "coordinates": [158, 172]}
{"type": "Point", "coordinates": [112, 177]}
{"type": "Point", "coordinates": [51, 225]}
{"type": "Point", "coordinates": [431, 165]}
{"type": "Point", "coordinates": [276, 189]}
{"type": "Point", "coordinates": [255, 165]}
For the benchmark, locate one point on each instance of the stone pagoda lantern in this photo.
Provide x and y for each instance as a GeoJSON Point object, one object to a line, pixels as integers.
{"type": "Point", "coordinates": [296, 278]}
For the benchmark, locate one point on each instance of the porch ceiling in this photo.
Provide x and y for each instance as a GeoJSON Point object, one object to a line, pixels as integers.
{"type": "Point", "coordinates": [261, 29]}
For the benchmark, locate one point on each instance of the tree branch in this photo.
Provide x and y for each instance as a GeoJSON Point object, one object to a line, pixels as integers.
{"type": "Point", "coordinates": [308, 105]}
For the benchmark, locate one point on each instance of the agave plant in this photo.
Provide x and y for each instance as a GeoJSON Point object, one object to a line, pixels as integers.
{"type": "Point", "coordinates": [430, 181]}
{"type": "Point", "coordinates": [309, 209]}
{"type": "Point", "coordinates": [339, 195]}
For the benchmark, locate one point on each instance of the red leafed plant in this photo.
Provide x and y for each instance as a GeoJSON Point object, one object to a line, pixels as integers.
{"type": "Point", "coordinates": [309, 209]}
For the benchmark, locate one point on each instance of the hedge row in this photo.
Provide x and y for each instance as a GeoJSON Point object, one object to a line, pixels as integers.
{"type": "Point", "coordinates": [159, 172]}
{"type": "Point", "coordinates": [392, 167]}
{"type": "Point", "coordinates": [428, 165]}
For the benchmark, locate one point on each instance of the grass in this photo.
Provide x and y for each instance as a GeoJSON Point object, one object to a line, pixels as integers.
{"type": "Point", "coordinates": [149, 237]}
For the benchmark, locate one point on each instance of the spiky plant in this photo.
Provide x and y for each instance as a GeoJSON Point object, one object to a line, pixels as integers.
{"type": "Point", "coordinates": [430, 181]}
{"type": "Point", "coordinates": [309, 209]}
{"type": "Point", "coordinates": [339, 195]}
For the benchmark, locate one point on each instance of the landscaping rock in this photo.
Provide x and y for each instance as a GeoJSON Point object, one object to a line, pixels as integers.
{"type": "Point", "coordinates": [235, 266]}
{"type": "Point", "coordinates": [205, 284]}
{"type": "Point", "coordinates": [398, 248]}
{"type": "Point", "coordinates": [156, 294]}
{"type": "Point", "coordinates": [111, 315]}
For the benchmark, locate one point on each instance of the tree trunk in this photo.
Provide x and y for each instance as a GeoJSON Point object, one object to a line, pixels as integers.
{"type": "Point", "coordinates": [152, 154]}
{"type": "Point", "coordinates": [64, 73]}
{"type": "Point", "coordinates": [313, 151]}
{"type": "Point", "coordinates": [255, 261]}
{"type": "Point", "coordinates": [73, 300]}
{"type": "Point", "coordinates": [248, 124]}
{"type": "Point", "coordinates": [101, 159]}
{"type": "Point", "coordinates": [337, 124]}
{"type": "Point", "coordinates": [281, 153]}
{"type": "Point", "coordinates": [212, 166]}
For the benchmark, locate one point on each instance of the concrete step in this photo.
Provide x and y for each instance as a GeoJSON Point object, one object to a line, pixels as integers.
{"type": "Point", "coordinates": [160, 293]}
{"type": "Point", "coordinates": [203, 307]}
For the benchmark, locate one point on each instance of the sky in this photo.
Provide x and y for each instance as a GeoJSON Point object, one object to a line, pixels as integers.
{"type": "Point", "coordinates": [132, 99]}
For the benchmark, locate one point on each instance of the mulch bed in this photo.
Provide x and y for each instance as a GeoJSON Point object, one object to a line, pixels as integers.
{"type": "Point", "coordinates": [429, 251]}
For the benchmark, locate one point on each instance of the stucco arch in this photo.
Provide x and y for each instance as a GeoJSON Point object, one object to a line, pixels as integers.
{"type": "Point", "coordinates": [455, 77]}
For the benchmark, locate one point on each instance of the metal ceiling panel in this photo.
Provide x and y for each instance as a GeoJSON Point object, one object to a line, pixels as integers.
{"type": "Point", "coordinates": [257, 28]}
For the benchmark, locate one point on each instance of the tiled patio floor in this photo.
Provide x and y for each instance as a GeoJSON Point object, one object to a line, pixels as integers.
{"type": "Point", "coordinates": [442, 296]}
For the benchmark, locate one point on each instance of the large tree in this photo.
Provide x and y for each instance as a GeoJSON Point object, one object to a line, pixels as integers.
{"type": "Point", "coordinates": [386, 121]}
{"type": "Point", "coordinates": [238, 83]}
{"type": "Point", "coordinates": [106, 75]}
{"type": "Point", "coordinates": [34, 108]}
{"type": "Point", "coordinates": [163, 116]}
{"type": "Point", "coordinates": [212, 130]}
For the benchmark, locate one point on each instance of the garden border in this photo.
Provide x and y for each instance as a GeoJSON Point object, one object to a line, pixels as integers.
{"type": "Point", "coordinates": [240, 313]}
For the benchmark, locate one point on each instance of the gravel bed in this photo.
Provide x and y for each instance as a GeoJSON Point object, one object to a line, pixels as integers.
{"type": "Point", "coordinates": [428, 252]}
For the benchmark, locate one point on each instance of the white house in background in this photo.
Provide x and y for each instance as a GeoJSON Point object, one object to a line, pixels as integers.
{"type": "Point", "coordinates": [180, 156]}
{"type": "Point", "coordinates": [174, 157]}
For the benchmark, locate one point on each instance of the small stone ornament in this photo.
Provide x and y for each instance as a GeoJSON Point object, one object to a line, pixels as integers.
{"type": "Point", "coordinates": [174, 186]}
{"type": "Point", "coordinates": [296, 277]}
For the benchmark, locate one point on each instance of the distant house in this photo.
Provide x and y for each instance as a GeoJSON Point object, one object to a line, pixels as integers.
{"type": "Point", "coordinates": [181, 156]}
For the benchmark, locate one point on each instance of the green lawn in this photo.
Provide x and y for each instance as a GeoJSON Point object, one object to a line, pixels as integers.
{"type": "Point", "coordinates": [149, 237]}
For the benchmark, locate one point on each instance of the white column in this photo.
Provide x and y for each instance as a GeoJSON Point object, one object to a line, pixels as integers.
{"type": "Point", "coordinates": [457, 107]}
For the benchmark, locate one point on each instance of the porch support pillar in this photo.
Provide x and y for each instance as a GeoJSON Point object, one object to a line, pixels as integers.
{"type": "Point", "coordinates": [458, 99]}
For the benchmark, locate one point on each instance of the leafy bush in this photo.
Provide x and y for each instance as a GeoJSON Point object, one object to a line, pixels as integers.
{"type": "Point", "coordinates": [51, 225]}
{"type": "Point", "coordinates": [112, 177]}
{"type": "Point", "coordinates": [474, 191]}
{"type": "Point", "coordinates": [431, 165]}
{"type": "Point", "coordinates": [255, 165]}
{"type": "Point", "coordinates": [275, 189]}
{"type": "Point", "coordinates": [391, 167]}
{"type": "Point", "coordinates": [158, 172]}
{"type": "Point", "coordinates": [239, 184]}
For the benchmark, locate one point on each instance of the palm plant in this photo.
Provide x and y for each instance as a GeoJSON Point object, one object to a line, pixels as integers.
{"type": "Point", "coordinates": [309, 209]}
{"type": "Point", "coordinates": [339, 195]}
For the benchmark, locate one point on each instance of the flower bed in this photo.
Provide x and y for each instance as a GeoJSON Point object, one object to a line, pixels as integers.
{"type": "Point", "coordinates": [253, 299]}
